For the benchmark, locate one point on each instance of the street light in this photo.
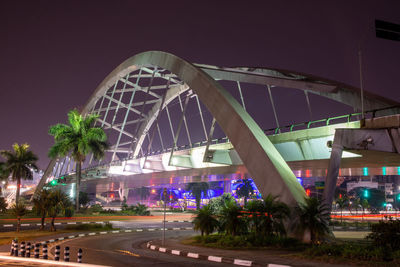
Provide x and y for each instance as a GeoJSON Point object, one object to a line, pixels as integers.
{"type": "Point", "coordinates": [165, 206]}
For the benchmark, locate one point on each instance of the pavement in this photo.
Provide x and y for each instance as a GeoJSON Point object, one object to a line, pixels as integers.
{"type": "Point", "coordinates": [130, 249]}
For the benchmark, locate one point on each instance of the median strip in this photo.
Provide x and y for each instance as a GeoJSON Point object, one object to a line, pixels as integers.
{"type": "Point", "coordinates": [240, 262]}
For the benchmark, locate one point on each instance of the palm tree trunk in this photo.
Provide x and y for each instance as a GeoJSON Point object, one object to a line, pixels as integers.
{"type": "Point", "coordinates": [18, 223]}
{"type": "Point", "coordinates": [42, 221]}
{"type": "Point", "coordinates": [53, 227]}
{"type": "Point", "coordinates": [18, 188]}
{"type": "Point", "coordinates": [341, 216]}
{"type": "Point", "coordinates": [77, 184]}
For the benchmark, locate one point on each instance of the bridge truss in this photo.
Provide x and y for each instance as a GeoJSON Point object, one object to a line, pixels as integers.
{"type": "Point", "coordinates": [150, 104]}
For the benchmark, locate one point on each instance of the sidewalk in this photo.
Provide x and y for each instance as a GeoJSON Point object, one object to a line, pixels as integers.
{"type": "Point", "coordinates": [262, 257]}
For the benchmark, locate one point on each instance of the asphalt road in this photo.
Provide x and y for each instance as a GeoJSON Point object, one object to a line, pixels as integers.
{"type": "Point", "coordinates": [129, 249]}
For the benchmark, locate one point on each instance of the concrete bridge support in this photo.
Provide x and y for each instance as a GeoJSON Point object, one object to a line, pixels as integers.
{"type": "Point", "coordinates": [382, 135]}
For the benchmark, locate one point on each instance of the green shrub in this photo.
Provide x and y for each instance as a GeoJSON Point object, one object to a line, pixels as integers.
{"type": "Point", "coordinates": [91, 227]}
{"type": "Point", "coordinates": [96, 208]}
{"type": "Point", "coordinates": [386, 234]}
{"type": "Point", "coordinates": [354, 251]}
{"type": "Point", "coordinates": [69, 212]}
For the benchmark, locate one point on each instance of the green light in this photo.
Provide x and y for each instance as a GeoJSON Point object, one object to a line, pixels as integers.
{"type": "Point", "coordinates": [365, 171]}
{"type": "Point", "coordinates": [366, 193]}
{"type": "Point", "coordinates": [385, 204]}
{"type": "Point", "coordinates": [383, 170]}
{"type": "Point", "coordinates": [54, 182]}
{"type": "Point", "coordinates": [398, 170]}
{"type": "Point", "coordinates": [398, 197]}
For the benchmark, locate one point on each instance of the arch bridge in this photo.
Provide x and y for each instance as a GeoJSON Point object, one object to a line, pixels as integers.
{"type": "Point", "coordinates": [150, 104]}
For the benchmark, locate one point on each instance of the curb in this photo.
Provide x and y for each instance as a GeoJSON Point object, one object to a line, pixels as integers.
{"type": "Point", "coordinates": [193, 255]}
{"type": "Point", "coordinates": [176, 221]}
{"type": "Point", "coordinates": [39, 224]}
{"type": "Point", "coordinates": [50, 262]}
{"type": "Point", "coordinates": [111, 232]}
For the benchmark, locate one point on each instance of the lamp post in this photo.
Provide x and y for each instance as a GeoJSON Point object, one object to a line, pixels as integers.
{"type": "Point", "coordinates": [165, 206]}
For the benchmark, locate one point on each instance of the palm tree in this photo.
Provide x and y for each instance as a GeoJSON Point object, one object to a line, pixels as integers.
{"type": "Point", "coordinates": [3, 173]}
{"type": "Point", "coordinates": [231, 218]}
{"type": "Point", "coordinates": [79, 138]}
{"type": "Point", "coordinates": [274, 214]}
{"type": "Point", "coordinates": [205, 220]}
{"type": "Point", "coordinates": [18, 210]}
{"type": "Point", "coordinates": [341, 203]}
{"type": "Point", "coordinates": [312, 216]}
{"type": "Point", "coordinates": [197, 190]}
{"type": "Point", "coordinates": [59, 201]}
{"type": "Point", "coordinates": [144, 192]}
{"type": "Point", "coordinates": [20, 163]}
{"type": "Point", "coordinates": [3, 205]}
{"type": "Point", "coordinates": [256, 208]}
{"type": "Point", "coordinates": [364, 206]}
{"type": "Point", "coordinates": [245, 189]}
{"type": "Point", "coordinates": [42, 204]}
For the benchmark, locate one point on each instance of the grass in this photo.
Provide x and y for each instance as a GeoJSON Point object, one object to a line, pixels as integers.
{"type": "Point", "coordinates": [26, 235]}
{"type": "Point", "coordinates": [91, 227]}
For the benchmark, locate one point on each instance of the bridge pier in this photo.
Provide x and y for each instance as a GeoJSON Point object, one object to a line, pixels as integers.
{"type": "Point", "coordinates": [379, 135]}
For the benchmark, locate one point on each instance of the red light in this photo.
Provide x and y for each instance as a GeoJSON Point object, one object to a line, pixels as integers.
{"type": "Point", "coordinates": [308, 192]}
{"type": "Point", "coordinates": [170, 196]}
{"type": "Point", "coordinates": [340, 195]}
{"type": "Point", "coordinates": [112, 196]}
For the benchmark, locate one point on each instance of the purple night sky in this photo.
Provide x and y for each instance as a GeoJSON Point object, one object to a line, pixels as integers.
{"type": "Point", "coordinates": [53, 54]}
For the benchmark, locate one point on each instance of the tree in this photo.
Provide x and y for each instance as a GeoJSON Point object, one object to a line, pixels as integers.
{"type": "Point", "coordinates": [3, 205]}
{"type": "Point", "coordinates": [20, 163]}
{"type": "Point", "coordinates": [42, 203]}
{"type": "Point", "coordinates": [231, 220]}
{"type": "Point", "coordinates": [341, 202]}
{"type": "Point", "coordinates": [4, 173]}
{"type": "Point", "coordinates": [356, 204]}
{"type": "Point", "coordinates": [364, 206]}
{"type": "Point", "coordinates": [18, 210]}
{"type": "Point", "coordinates": [79, 138]}
{"type": "Point", "coordinates": [205, 220]}
{"type": "Point", "coordinates": [144, 192]}
{"type": "Point", "coordinates": [312, 216]}
{"type": "Point", "coordinates": [245, 189]}
{"type": "Point", "coordinates": [83, 199]}
{"type": "Point", "coordinates": [59, 201]}
{"type": "Point", "coordinates": [274, 213]}
{"type": "Point", "coordinates": [197, 190]}
{"type": "Point", "coordinates": [217, 203]}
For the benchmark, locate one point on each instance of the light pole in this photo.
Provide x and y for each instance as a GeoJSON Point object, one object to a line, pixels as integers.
{"type": "Point", "coordinates": [165, 206]}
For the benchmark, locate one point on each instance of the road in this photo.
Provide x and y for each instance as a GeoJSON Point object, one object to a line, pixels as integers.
{"type": "Point", "coordinates": [129, 249]}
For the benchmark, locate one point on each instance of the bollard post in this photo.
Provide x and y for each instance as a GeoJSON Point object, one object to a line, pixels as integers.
{"type": "Point", "coordinates": [66, 254]}
{"type": "Point", "coordinates": [16, 248]}
{"type": "Point", "coordinates": [37, 247]}
{"type": "Point", "coordinates": [44, 252]}
{"type": "Point", "coordinates": [79, 258]}
{"type": "Point", "coordinates": [57, 253]}
{"type": "Point", "coordinates": [22, 250]}
{"type": "Point", "coordinates": [12, 248]}
{"type": "Point", "coordinates": [28, 250]}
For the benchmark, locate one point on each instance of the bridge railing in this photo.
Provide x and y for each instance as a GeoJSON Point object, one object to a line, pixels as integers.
{"type": "Point", "coordinates": [328, 121]}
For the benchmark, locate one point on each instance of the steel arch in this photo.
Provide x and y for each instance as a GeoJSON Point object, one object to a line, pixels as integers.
{"type": "Point", "coordinates": [198, 78]}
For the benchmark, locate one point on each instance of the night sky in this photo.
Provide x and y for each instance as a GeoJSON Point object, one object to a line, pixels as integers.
{"type": "Point", "coordinates": [53, 54]}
